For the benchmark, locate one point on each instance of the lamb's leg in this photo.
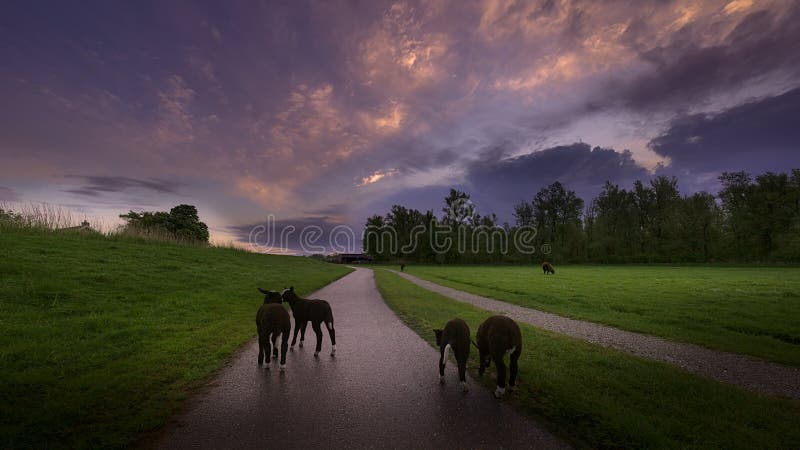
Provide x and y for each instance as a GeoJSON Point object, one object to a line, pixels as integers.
{"type": "Point", "coordinates": [296, 330]}
{"type": "Point", "coordinates": [512, 380]}
{"type": "Point", "coordinates": [303, 332]}
{"type": "Point", "coordinates": [267, 349]}
{"type": "Point", "coordinates": [462, 371]}
{"type": "Point", "coordinates": [441, 364]}
{"type": "Point", "coordinates": [501, 375]}
{"type": "Point", "coordinates": [274, 346]}
{"type": "Point", "coordinates": [482, 358]}
{"type": "Point", "coordinates": [284, 347]}
{"type": "Point", "coordinates": [318, 331]}
{"type": "Point", "coordinates": [332, 334]}
{"type": "Point", "coordinates": [260, 350]}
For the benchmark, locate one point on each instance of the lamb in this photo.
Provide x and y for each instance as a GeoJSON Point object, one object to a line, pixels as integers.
{"type": "Point", "coordinates": [497, 336]}
{"type": "Point", "coordinates": [273, 323]}
{"type": "Point", "coordinates": [548, 268]}
{"type": "Point", "coordinates": [314, 311]}
{"type": "Point", "coordinates": [271, 296]}
{"type": "Point", "coordinates": [455, 336]}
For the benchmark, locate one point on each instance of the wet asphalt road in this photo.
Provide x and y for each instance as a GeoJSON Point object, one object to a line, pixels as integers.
{"type": "Point", "coordinates": [380, 391]}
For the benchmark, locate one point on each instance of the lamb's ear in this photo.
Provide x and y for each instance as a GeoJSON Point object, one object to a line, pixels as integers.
{"type": "Point", "coordinates": [263, 291]}
{"type": "Point", "coordinates": [291, 288]}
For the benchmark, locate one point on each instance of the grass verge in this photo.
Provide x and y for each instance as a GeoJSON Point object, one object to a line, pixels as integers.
{"type": "Point", "coordinates": [597, 397]}
{"type": "Point", "coordinates": [754, 311]}
{"type": "Point", "coordinates": [102, 337]}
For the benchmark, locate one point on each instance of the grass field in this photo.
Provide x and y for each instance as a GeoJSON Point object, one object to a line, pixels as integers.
{"type": "Point", "coordinates": [100, 338]}
{"type": "Point", "coordinates": [755, 311]}
{"type": "Point", "coordinates": [596, 397]}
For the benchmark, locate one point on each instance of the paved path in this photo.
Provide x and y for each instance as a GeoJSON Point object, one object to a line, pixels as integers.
{"type": "Point", "coordinates": [381, 391]}
{"type": "Point", "coordinates": [745, 371]}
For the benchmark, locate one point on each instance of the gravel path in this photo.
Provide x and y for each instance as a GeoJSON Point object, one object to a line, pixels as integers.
{"type": "Point", "coordinates": [745, 371]}
{"type": "Point", "coordinates": [380, 391]}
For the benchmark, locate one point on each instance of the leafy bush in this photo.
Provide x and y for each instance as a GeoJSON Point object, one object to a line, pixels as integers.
{"type": "Point", "coordinates": [181, 222]}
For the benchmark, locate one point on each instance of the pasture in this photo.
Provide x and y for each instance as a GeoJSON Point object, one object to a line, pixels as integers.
{"type": "Point", "coordinates": [750, 310]}
{"type": "Point", "coordinates": [597, 397]}
{"type": "Point", "coordinates": [102, 337]}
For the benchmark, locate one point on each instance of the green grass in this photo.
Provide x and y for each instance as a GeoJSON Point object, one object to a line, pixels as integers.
{"type": "Point", "coordinates": [101, 338]}
{"type": "Point", "coordinates": [597, 397]}
{"type": "Point", "coordinates": [755, 311]}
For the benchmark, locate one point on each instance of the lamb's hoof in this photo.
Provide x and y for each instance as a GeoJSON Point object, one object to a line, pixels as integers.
{"type": "Point", "coordinates": [316, 354]}
{"type": "Point", "coordinates": [333, 351]}
{"type": "Point", "coordinates": [499, 392]}
{"type": "Point", "coordinates": [441, 379]}
{"type": "Point", "coordinates": [512, 388]}
{"type": "Point", "coordinates": [464, 386]}
{"type": "Point", "coordinates": [301, 344]}
{"type": "Point", "coordinates": [283, 367]}
{"type": "Point", "coordinates": [291, 348]}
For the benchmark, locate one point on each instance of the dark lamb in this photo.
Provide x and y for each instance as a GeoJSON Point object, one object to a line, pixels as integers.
{"type": "Point", "coordinates": [314, 311]}
{"type": "Point", "coordinates": [498, 336]}
{"type": "Point", "coordinates": [455, 336]}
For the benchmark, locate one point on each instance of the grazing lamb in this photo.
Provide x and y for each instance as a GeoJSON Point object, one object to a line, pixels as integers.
{"type": "Point", "coordinates": [314, 311]}
{"type": "Point", "coordinates": [455, 336]}
{"type": "Point", "coordinates": [272, 321]}
{"type": "Point", "coordinates": [497, 336]}
{"type": "Point", "coordinates": [548, 268]}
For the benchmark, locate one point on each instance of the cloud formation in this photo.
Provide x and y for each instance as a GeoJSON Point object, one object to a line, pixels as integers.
{"type": "Point", "coordinates": [296, 108]}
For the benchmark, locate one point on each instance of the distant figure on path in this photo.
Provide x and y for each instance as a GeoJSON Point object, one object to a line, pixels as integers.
{"type": "Point", "coordinates": [548, 268]}
{"type": "Point", "coordinates": [402, 267]}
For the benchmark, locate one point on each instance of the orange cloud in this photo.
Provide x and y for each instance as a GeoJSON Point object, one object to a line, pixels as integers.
{"type": "Point", "coordinates": [377, 176]}
{"type": "Point", "coordinates": [399, 54]}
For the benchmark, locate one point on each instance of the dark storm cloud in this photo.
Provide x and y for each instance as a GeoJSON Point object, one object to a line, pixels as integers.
{"type": "Point", "coordinates": [758, 136]}
{"type": "Point", "coordinates": [500, 183]}
{"type": "Point", "coordinates": [684, 72]}
{"type": "Point", "coordinates": [97, 185]}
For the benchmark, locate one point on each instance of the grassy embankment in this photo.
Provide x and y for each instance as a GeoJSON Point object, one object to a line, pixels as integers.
{"type": "Point", "coordinates": [597, 397]}
{"type": "Point", "coordinates": [102, 337]}
{"type": "Point", "coordinates": [755, 311]}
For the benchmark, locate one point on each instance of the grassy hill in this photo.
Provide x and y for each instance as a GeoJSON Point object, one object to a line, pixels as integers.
{"type": "Point", "coordinates": [101, 337]}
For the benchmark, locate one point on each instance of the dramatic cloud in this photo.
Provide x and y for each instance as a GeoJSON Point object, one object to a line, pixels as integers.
{"type": "Point", "coordinates": [500, 183]}
{"type": "Point", "coordinates": [97, 185]}
{"type": "Point", "coordinates": [758, 136]}
{"type": "Point", "coordinates": [331, 111]}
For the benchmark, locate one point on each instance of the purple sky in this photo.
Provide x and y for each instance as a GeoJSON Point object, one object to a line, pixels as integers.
{"type": "Point", "coordinates": [326, 112]}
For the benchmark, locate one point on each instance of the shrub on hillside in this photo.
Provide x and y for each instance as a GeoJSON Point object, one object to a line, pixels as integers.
{"type": "Point", "coordinates": [181, 222]}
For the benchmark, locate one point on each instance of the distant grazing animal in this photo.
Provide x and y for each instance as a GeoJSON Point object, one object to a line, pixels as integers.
{"type": "Point", "coordinates": [314, 311]}
{"type": "Point", "coordinates": [455, 336]}
{"type": "Point", "coordinates": [498, 336]}
{"type": "Point", "coordinates": [272, 322]}
{"type": "Point", "coordinates": [402, 267]}
{"type": "Point", "coordinates": [548, 268]}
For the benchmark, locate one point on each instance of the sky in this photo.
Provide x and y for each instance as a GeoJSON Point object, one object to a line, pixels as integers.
{"type": "Point", "coordinates": [326, 112]}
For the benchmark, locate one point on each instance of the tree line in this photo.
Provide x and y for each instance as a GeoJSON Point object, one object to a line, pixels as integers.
{"type": "Point", "coordinates": [752, 218]}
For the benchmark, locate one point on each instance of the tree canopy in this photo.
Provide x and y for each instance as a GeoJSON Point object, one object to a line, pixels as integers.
{"type": "Point", "coordinates": [182, 222]}
{"type": "Point", "coordinates": [750, 219]}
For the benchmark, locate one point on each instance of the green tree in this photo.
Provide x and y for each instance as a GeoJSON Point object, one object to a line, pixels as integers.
{"type": "Point", "coordinates": [182, 222]}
